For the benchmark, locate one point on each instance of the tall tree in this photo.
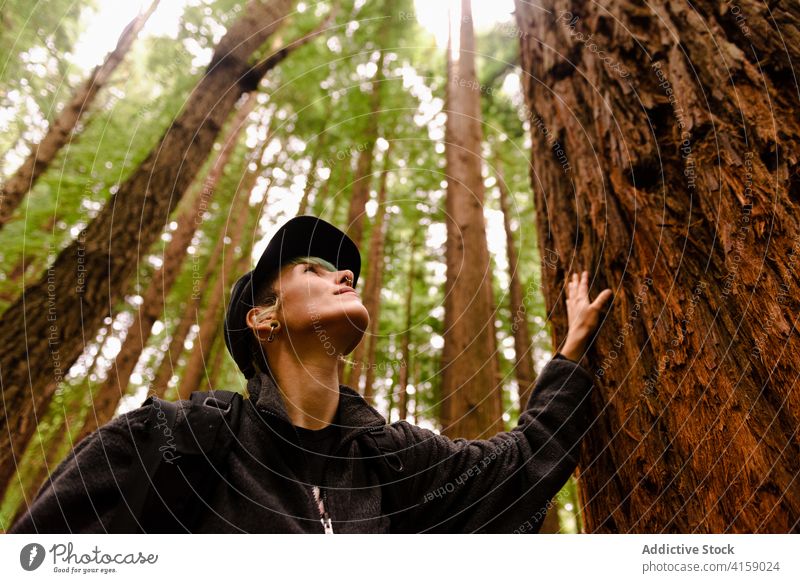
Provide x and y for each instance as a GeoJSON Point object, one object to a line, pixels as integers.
{"type": "Point", "coordinates": [469, 370]}
{"type": "Point", "coordinates": [58, 134]}
{"type": "Point", "coordinates": [71, 299]}
{"type": "Point", "coordinates": [696, 227]}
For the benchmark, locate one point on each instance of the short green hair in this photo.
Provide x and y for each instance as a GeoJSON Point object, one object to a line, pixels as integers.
{"type": "Point", "coordinates": [267, 296]}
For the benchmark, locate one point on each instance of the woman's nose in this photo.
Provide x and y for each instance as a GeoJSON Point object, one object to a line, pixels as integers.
{"type": "Point", "coordinates": [347, 277]}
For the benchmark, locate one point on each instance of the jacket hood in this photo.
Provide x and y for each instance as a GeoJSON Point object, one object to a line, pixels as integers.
{"type": "Point", "coordinates": [354, 412]}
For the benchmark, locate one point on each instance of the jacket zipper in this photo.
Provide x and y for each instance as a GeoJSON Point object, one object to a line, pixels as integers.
{"type": "Point", "coordinates": [325, 518]}
{"type": "Point", "coordinates": [320, 494]}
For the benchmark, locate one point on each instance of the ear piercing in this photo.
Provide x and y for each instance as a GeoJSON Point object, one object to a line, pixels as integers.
{"type": "Point", "coordinates": [273, 326]}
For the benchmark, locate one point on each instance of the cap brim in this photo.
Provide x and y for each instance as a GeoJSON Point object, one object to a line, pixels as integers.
{"type": "Point", "coordinates": [307, 235]}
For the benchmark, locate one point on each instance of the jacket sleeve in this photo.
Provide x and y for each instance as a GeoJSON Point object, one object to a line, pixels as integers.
{"type": "Point", "coordinates": [501, 484]}
{"type": "Point", "coordinates": [83, 492]}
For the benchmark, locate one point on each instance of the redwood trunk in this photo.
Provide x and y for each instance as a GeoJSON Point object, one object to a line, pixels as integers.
{"type": "Point", "coordinates": [667, 166]}
{"type": "Point", "coordinates": [65, 122]}
{"type": "Point", "coordinates": [469, 372]}
{"type": "Point", "coordinates": [73, 297]}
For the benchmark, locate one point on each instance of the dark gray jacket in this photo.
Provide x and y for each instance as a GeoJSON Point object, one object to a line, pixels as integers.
{"type": "Point", "coordinates": [435, 484]}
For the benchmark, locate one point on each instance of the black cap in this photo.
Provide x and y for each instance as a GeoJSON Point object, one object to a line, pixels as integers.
{"type": "Point", "coordinates": [301, 236]}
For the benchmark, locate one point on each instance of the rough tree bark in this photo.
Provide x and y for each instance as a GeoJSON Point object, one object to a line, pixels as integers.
{"type": "Point", "coordinates": [665, 161]}
{"type": "Point", "coordinates": [65, 122]}
{"type": "Point", "coordinates": [73, 296]}
{"type": "Point", "coordinates": [469, 405]}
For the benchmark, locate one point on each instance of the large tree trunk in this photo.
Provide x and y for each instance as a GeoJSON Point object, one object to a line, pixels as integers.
{"type": "Point", "coordinates": [469, 370]}
{"type": "Point", "coordinates": [524, 368]}
{"type": "Point", "coordinates": [116, 385]}
{"type": "Point", "coordinates": [677, 189]}
{"type": "Point", "coordinates": [60, 131]}
{"type": "Point", "coordinates": [71, 299]}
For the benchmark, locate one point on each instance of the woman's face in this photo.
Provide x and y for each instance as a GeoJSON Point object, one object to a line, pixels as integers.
{"type": "Point", "coordinates": [319, 309]}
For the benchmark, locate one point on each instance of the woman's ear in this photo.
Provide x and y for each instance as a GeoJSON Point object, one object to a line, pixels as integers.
{"type": "Point", "coordinates": [261, 321]}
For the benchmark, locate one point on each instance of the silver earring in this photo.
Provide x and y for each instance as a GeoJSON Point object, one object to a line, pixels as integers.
{"type": "Point", "coordinates": [271, 336]}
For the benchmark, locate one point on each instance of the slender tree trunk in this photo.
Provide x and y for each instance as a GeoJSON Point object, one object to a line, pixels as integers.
{"type": "Point", "coordinates": [372, 290]}
{"type": "Point", "coordinates": [166, 368]}
{"type": "Point", "coordinates": [406, 350]}
{"type": "Point", "coordinates": [499, 424]}
{"type": "Point", "coordinates": [311, 177]}
{"type": "Point", "coordinates": [695, 229]}
{"type": "Point", "coordinates": [73, 297]}
{"type": "Point", "coordinates": [363, 176]}
{"type": "Point", "coordinates": [523, 344]}
{"type": "Point", "coordinates": [59, 132]}
{"type": "Point", "coordinates": [219, 349]}
{"type": "Point", "coordinates": [217, 356]}
{"type": "Point", "coordinates": [469, 375]}
{"type": "Point", "coordinates": [116, 385]}
{"type": "Point", "coordinates": [197, 365]}
{"type": "Point", "coordinates": [415, 382]}
{"type": "Point", "coordinates": [551, 523]}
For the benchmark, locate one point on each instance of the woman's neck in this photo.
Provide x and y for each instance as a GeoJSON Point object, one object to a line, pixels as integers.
{"type": "Point", "coordinates": [309, 387]}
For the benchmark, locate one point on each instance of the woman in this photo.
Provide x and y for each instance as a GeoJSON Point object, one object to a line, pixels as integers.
{"type": "Point", "coordinates": [306, 455]}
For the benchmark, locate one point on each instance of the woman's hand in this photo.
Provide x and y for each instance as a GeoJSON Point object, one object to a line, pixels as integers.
{"type": "Point", "coordinates": [583, 316]}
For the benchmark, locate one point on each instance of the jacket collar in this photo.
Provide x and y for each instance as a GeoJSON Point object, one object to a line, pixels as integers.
{"type": "Point", "coordinates": [354, 413]}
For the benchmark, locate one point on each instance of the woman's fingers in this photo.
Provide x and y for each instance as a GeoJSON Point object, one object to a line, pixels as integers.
{"type": "Point", "coordinates": [602, 299]}
{"type": "Point", "coordinates": [571, 286]}
{"type": "Point", "coordinates": [578, 287]}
